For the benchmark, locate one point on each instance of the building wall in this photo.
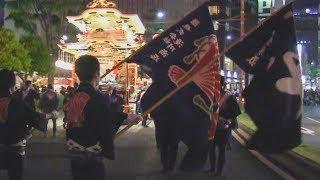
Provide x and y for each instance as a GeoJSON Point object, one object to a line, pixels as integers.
{"type": "Point", "coordinates": [1, 13]}
{"type": "Point", "coordinates": [174, 9]}
{"type": "Point", "coordinates": [307, 29]}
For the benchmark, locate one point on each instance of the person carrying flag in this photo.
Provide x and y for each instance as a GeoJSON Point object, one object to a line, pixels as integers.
{"type": "Point", "coordinates": [90, 123]}
{"type": "Point", "coordinates": [15, 118]}
{"type": "Point", "coordinates": [228, 112]}
{"type": "Point", "coordinates": [166, 131]}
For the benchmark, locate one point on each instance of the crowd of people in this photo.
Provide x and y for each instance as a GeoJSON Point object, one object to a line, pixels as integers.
{"type": "Point", "coordinates": [311, 97]}
{"type": "Point", "coordinates": [47, 100]}
{"type": "Point", "coordinates": [91, 120]}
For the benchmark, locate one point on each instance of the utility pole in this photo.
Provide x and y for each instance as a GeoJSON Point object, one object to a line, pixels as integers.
{"type": "Point", "coordinates": [242, 33]}
{"type": "Point", "coordinates": [242, 18]}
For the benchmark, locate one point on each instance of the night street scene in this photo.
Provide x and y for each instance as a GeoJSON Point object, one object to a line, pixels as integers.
{"type": "Point", "coordinates": [159, 89]}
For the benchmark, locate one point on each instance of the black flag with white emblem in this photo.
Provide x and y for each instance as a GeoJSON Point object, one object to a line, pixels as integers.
{"type": "Point", "coordinates": [273, 98]}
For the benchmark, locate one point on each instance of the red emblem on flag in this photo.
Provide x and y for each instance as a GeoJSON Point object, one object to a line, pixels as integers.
{"type": "Point", "coordinates": [205, 74]}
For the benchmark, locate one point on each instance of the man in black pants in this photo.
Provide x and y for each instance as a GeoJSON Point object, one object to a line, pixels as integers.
{"type": "Point", "coordinates": [15, 117]}
{"type": "Point", "coordinates": [90, 123]}
{"type": "Point", "coordinates": [167, 138]}
{"type": "Point", "coordinates": [166, 131]}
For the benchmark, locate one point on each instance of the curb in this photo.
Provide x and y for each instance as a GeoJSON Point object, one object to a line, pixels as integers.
{"type": "Point", "coordinates": [242, 137]}
{"type": "Point", "coordinates": [293, 163]}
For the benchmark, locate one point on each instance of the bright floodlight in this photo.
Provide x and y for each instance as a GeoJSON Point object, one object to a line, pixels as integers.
{"type": "Point", "coordinates": [229, 37]}
{"type": "Point", "coordinates": [307, 10]}
{"type": "Point", "coordinates": [64, 37]}
{"type": "Point", "coordinates": [222, 72]}
{"type": "Point", "coordinates": [160, 14]}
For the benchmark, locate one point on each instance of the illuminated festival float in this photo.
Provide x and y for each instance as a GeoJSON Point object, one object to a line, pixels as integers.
{"type": "Point", "coordinates": [110, 36]}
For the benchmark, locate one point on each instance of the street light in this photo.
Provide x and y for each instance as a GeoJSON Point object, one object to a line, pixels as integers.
{"type": "Point", "coordinates": [222, 72]}
{"type": "Point", "coordinates": [160, 14]}
{"type": "Point", "coordinates": [307, 10]}
{"type": "Point", "coordinates": [229, 37]}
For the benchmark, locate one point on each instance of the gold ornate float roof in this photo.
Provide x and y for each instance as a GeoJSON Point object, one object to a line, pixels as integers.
{"type": "Point", "coordinates": [103, 15]}
{"type": "Point", "coordinates": [101, 4]}
{"type": "Point", "coordinates": [105, 32]}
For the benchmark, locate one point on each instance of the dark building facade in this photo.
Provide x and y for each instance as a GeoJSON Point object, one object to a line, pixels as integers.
{"type": "Point", "coordinates": [1, 13]}
{"type": "Point", "coordinates": [226, 19]}
{"type": "Point", "coordinates": [173, 10]}
{"type": "Point", "coordinates": [306, 21]}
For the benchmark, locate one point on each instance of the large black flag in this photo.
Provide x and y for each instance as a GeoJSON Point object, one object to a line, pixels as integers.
{"type": "Point", "coordinates": [185, 56]}
{"type": "Point", "coordinates": [273, 98]}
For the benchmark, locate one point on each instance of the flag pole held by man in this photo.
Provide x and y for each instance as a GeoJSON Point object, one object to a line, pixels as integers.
{"type": "Point", "coordinates": [173, 61]}
{"type": "Point", "coordinates": [183, 59]}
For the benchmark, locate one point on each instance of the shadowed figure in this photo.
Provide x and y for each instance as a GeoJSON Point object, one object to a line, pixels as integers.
{"type": "Point", "coordinates": [174, 122]}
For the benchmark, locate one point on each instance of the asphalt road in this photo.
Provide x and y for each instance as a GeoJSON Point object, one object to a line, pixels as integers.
{"type": "Point", "coordinates": [137, 158]}
{"type": "Point", "coordinates": [311, 125]}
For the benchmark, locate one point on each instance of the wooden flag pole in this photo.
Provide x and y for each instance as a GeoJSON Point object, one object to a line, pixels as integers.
{"type": "Point", "coordinates": [169, 95]}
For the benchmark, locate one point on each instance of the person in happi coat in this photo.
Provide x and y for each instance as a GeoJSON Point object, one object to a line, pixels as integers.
{"type": "Point", "coordinates": [15, 118]}
{"type": "Point", "coordinates": [90, 123]}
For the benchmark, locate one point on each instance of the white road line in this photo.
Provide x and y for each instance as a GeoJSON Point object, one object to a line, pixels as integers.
{"type": "Point", "coordinates": [313, 120]}
{"type": "Point", "coordinates": [307, 131]}
{"type": "Point", "coordinates": [264, 160]}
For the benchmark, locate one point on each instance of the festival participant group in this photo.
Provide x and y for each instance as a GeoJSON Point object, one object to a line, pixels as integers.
{"type": "Point", "coordinates": [91, 120]}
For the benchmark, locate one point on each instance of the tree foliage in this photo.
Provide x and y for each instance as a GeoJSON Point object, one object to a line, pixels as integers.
{"type": "Point", "coordinates": [50, 15]}
{"type": "Point", "coordinates": [152, 29]}
{"type": "Point", "coordinates": [313, 71]}
{"type": "Point", "coordinates": [45, 19]}
{"type": "Point", "coordinates": [41, 61]}
{"type": "Point", "coordinates": [13, 55]}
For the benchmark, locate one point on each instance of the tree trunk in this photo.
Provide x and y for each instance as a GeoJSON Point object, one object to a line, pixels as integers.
{"type": "Point", "coordinates": [50, 47]}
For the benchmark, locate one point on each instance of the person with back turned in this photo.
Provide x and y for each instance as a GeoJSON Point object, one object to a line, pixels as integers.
{"type": "Point", "coordinates": [228, 111]}
{"type": "Point", "coordinates": [90, 124]}
{"type": "Point", "coordinates": [15, 118]}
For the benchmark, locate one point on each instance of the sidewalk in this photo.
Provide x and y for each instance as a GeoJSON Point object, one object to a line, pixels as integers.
{"type": "Point", "coordinates": [295, 162]}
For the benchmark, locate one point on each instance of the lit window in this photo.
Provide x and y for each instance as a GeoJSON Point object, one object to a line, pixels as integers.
{"type": "Point", "coordinates": [228, 64]}
{"type": "Point", "coordinates": [214, 10]}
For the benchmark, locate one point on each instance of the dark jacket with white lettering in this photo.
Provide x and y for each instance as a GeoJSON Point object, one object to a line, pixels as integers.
{"type": "Point", "coordinates": [98, 124]}
{"type": "Point", "coordinates": [15, 116]}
